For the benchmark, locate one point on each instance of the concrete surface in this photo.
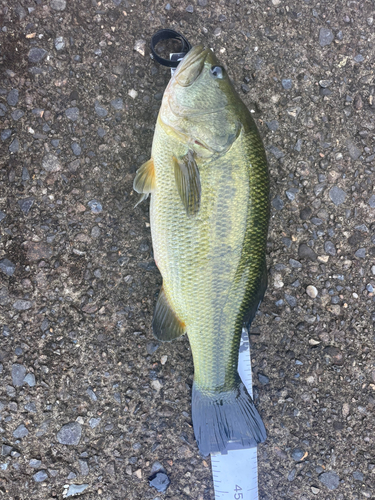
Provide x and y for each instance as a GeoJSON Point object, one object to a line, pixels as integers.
{"type": "Point", "coordinates": [87, 396]}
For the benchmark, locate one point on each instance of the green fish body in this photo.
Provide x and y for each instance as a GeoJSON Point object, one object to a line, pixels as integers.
{"type": "Point", "coordinates": [209, 211]}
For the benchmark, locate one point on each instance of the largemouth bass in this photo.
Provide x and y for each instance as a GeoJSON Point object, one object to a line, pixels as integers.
{"type": "Point", "coordinates": [209, 211]}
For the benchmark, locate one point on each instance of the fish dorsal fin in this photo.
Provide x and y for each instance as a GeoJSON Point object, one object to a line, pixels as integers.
{"type": "Point", "coordinates": [144, 181]}
{"type": "Point", "coordinates": [165, 325]}
{"type": "Point", "coordinates": [188, 182]}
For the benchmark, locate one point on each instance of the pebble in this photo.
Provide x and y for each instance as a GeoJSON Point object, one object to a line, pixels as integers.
{"type": "Point", "coordinates": [325, 37]}
{"type": "Point", "coordinates": [94, 422]}
{"type": "Point", "coordinates": [160, 481]}
{"type": "Point", "coordinates": [330, 479]}
{"type": "Point", "coordinates": [26, 204]}
{"type": "Point", "coordinates": [315, 490]}
{"type": "Point", "coordinates": [95, 232]}
{"type": "Point", "coordinates": [276, 152]}
{"type": "Point", "coordinates": [371, 201]}
{"type": "Point", "coordinates": [132, 93]}
{"type": "Point", "coordinates": [22, 305]}
{"type": "Point", "coordinates": [36, 54]}
{"type": "Point", "coordinates": [305, 213]}
{"type": "Point", "coordinates": [292, 474]}
{"type": "Point", "coordinates": [311, 291]}
{"type": "Point", "coordinates": [17, 114]}
{"type": "Point", "coordinates": [305, 252]}
{"type": "Point", "coordinates": [5, 134]}
{"type": "Point", "coordinates": [298, 454]}
{"type": "Point", "coordinates": [140, 47]}
{"type": "Point", "coordinates": [30, 407]}
{"type": "Point", "coordinates": [329, 248]}
{"type": "Point", "coordinates": [277, 203]}
{"type": "Point", "coordinates": [337, 195]}
{"type": "Point", "coordinates": [291, 193]}
{"type": "Point", "coordinates": [117, 103]}
{"type": "Point", "coordinates": [287, 83]}
{"type": "Point", "coordinates": [202, 3]}
{"type": "Point", "coordinates": [5, 450]}
{"type": "Point", "coordinates": [72, 113]}
{"type": "Point", "coordinates": [360, 253]}
{"type": "Point", "coordinates": [20, 432]}
{"type": "Point", "coordinates": [12, 98]}
{"type": "Point", "coordinates": [292, 301]}
{"type": "Point", "coordinates": [100, 110]}
{"type": "Point", "coordinates": [76, 148]}
{"type": "Point", "coordinates": [59, 43]}
{"type": "Point", "coordinates": [263, 379]}
{"type": "Point", "coordinates": [358, 476]}
{"type": "Point", "coordinates": [18, 375]}
{"type": "Point", "coordinates": [51, 163]}
{"type": "Point", "coordinates": [91, 394]}
{"type": "Point", "coordinates": [273, 125]}
{"type": "Point", "coordinates": [151, 347]}
{"type": "Point", "coordinates": [101, 132]}
{"type": "Point", "coordinates": [95, 206]}
{"type": "Point", "coordinates": [70, 434]}
{"type": "Point", "coordinates": [295, 264]}
{"type": "Point", "coordinates": [25, 174]}
{"type": "Point", "coordinates": [14, 146]}
{"type": "Point", "coordinates": [58, 5]}
{"type": "Point", "coordinates": [40, 476]}
{"type": "Point", "coordinates": [7, 267]}
{"type": "Point", "coordinates": [190, 9]}
{"type": "Point", "coordinates": [75, 489]}
{"type": "Point", "coordinates": [354, 151]}
{"type": "Point", "coordinates": [84, 467]}
{"type": "Point", "coordinates": [35, 463]}
{"type": "Point", "coordinates": [30, 379]}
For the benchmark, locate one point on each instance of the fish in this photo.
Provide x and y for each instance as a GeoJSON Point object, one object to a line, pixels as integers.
{"type": "Point", "coordinates": [209, 212]}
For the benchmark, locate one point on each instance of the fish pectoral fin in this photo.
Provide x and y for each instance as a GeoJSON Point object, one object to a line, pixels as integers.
{"type": "Point", "coordinates": [144, 181]}
{"type": "Point", "coordinates": [188, 182]}
{"type": "Point", "coordinates": [166, 325]}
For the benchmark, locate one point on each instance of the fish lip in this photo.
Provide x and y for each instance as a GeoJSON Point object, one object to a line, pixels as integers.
{"type": "Point", "coordinates": [196, 54]}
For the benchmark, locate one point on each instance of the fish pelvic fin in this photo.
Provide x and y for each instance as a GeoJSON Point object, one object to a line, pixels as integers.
{"type": "Point", "coordinates": [166, 326]}
{"type": "Point", "coordinates": [144, 181]}
{"type": "Point", "coordinates": [188, 182]}
{"type": "Point", "coordinates": [220, 419]}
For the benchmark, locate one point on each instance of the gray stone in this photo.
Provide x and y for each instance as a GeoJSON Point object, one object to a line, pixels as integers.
{"type": "Point", "coordinates": [25, 174]}
{"type": "Point", "coordinates": [94, 422]}
{"type": "Point", "coordinates": [329, 248]}
{"type": "Point", "coordinates": [190, 9]}
{"type": "Point", "coordinates": [117, 103]}
{"type": "Point", "coordinates": [7, 267]}
{"type": "Point", "coordinates": [152, 347]}
{"type": "Point", "coordinates": [72, 113]}
{"type": "Point", "coordinates": [325, 37]}
{"type": "Point", "coordinates": [295, 264]}
{"type": "Point", "coordinates": [26, 204]}
{"type": "Point", "coordinates": [12, 98]}
{"type": "Point", "coordinates": [22, 305]}
{"type": "Point", "coordinates": [276, 152]}
{"type": "Point", "coordinates": [305, 252]}
{"type": "Point", "coordinates": [287, 83]}
{"type": "Point", "coordinates": [160, 481]}
{"type": "Point", "coordinates": [100, 110]}
{"type": "Point", "coordinates": [337, 195]}
{"type": "Point", "coordinates": [95, 232]}
{"type": "Point", "coordinates": [358, 476]}
{"type": "Point", "coordinates": [51, 163]}
{"type": "Point", "coordinates": [75, 489]}
{"type": "Point", "coordinates": [91, 394]}
{"type": "Point", "coordinates": [354, 151]}
{"type": "Point", "coordinates": [298, 454]}
{"type": "Point", "coordinates": [263, 379]}
{"type": "Point", "coordinates": [17, 114]}
{"type": "Point", "coordinates": [360, 253]}
{"type": "Point", "coordinates": [84, 467]}
{"type": "Point", "coordinates": [59, 43]}
{"type": "Point", "coordinates": [291, 193]}
{"type": "Point", "coordinates": [371, 201]}
{"type": "Point", "coordinates": [4, 296]}
{"type": "Point", "coordinates": [58, 5]}
{"type": "Point", "coordinates": [273, 125]}
{"type": "Point", "coordinates": [36, 54]}
{"type": "Point", "coordinates": [358, 58]}
{"type": "Point", "coordinates": [30, 407]}
{"type": "Point", "coordinates": [330, 479]}
{"type": "Point", "coordinates": [40, 476]}
{"type": "Point", "coordinates": [20, 432]}
{"type": "Point", "coordinates": [14, 146]}
{"type": "Point", "coordinates": [70, 434]}
{"type": "Point", "coordinates": [18, 374]}
{"type": "Point", "coordinates": [292, 475]}
{"type": "Point", "coordinates": [2, 215]}
{"type": "Point", "coordinates": [101, 132]}
{"type": "Point", "coordinates": [5, 450]}
{"type": "Point", "coordinates": [95, 206]}
{"type": "Point", "coordinates": [3, 109]}
{"type": "Point", "coordinates": [277, 203]}
{"type": "Point", "coordinates": [76, 148]}
{"type": "Point", "coordinates": [202, 3]}
{"type": "Point", "coordinates": [35, 463]}
{"type": "Point", "coordinates": [30, 379]}
{"type": "Point", "coordinates": [5, 134]}
{"type": "Point", "coordinates": [292, 301]}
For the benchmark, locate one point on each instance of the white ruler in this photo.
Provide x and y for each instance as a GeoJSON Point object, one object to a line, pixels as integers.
{"type": "Point", "coordinates": [235, 474]}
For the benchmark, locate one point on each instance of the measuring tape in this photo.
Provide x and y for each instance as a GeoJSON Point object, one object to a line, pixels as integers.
{"type": "Point", "coordinates": [235, 474]}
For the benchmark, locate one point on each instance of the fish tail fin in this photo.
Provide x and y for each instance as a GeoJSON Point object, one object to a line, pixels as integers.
{"type": "Point", "coordinates": [220, 419]}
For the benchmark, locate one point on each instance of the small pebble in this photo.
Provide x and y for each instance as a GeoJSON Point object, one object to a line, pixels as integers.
{"type": "Point", "coordinates": [76, 148]}
{"type": "Point", "coordinates": [17, 114]}
{"type": "Point", "coordinates": [22, 305]}
{"type": "Point", "coordinates": [298, 454]}
{"type": "Point", "coordinates": [292, 474]}
{"type": "Point", "coordinates": [30, 379]}
{"type": "Point", "coordinates": [26, 204]}
{"type": "Point", "coordinates": [7, 267]}
{"type": "Point", "coordinates": [360, 253]}
{"type": "Point", "coordinates": [311, 291]}
{"type": "Point", "coordinates": [305, 252]}
{"type": "Point", "coordinates": [277, 203]}
{"type": "Point", "coordinates": [5, 134]}
{"type": "Point", "coordinates": [325, 37]}
{"type": "Point", "coordinates": [70, 434]}
{"type": "Point", "coordinates": [287, 83]}
{"type": "Point", "coordinates": [72, 113]}
{"type": "Point", "coordinates": [329, 248]}
{"type": "Point", "coordinates": [75, 489]}
{"type": "Point", "coordinates": [190, 9]}
{"type": "Point", "coordinates": [337, 195]}
{"type": "Point", "coordinates": [117, 103]}
{"type": "Point", "coordinates": [100, 110]}
{"type": "Point", "coordinates": [371, 201]}
{"type": "Point", "coordinates": [263, 379]}
{"type": "Point", "coordinates": [95, 206]}
{"type": "Point", "coordinates": [330, 479]}
{"type": "Point", "coordinates": [40, 476]}
{"type": "Point", "coordinates": [36, 54]}
{"type": "Point", "coordinates": [12, 98]}
{"type": "Point", "coordinates": [94, 422]}
{"type": "Point", "coordinates": [18, 375]}
{"type": "Point", "coordinates": [35, 463]}
{"type": "Point", "coordinates": [160, 481]}
{"type": "Point", "coordinates": [59, 43]}
{"type": "Point", "coordinates": [20, 432]}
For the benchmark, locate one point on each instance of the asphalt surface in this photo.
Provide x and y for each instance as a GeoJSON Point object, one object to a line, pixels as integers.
{"type": "Point", "coordinates": [87, 396]}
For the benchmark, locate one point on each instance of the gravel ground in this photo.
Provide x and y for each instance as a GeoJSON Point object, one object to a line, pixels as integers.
{"type": "Point", "coordinates": [87, 396]}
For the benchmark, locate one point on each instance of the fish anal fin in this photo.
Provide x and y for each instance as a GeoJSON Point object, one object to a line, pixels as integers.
{"type": "Point", "coordinates": [188, 182]}
{"type": "Point", "coordinates": [166, 325]}
{"type": "Point", "coordinates": [144, 181]}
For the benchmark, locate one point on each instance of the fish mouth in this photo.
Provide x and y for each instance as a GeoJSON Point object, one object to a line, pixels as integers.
{"type": "Point", "coordinates": [191, 66]}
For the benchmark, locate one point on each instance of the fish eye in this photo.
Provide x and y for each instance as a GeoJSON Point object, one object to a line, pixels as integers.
{"type": "Point", "coordinates": [217, 72]}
